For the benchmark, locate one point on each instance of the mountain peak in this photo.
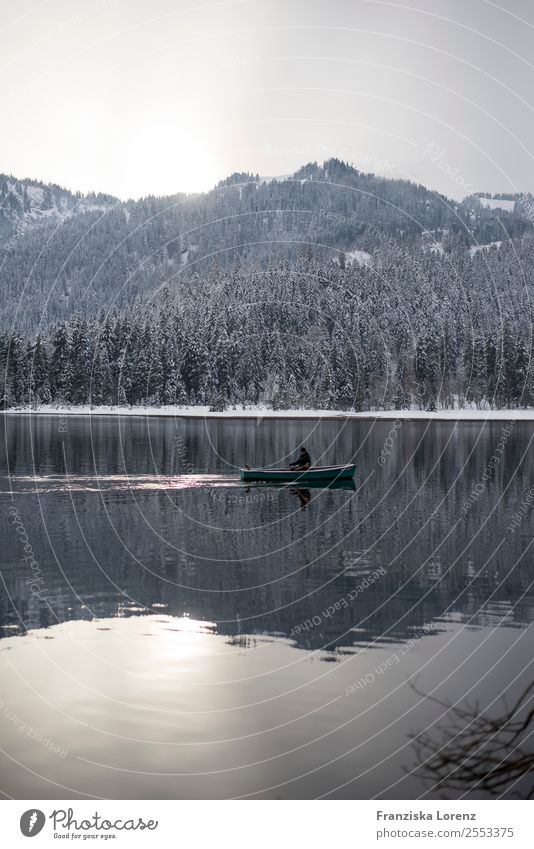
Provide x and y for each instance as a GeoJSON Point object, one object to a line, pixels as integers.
{"type": "Point", "coordinates": [25, 201]}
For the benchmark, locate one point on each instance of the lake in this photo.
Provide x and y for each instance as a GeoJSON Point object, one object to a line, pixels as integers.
{"type": "Point", "coordinates": [168, 633]}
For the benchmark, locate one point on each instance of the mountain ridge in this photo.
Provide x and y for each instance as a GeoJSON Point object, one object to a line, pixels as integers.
{"type": "Point", "coordinates": [62, 251]}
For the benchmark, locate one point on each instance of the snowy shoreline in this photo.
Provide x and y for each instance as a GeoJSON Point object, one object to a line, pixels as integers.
{"type": "Point", "coordinates": [465, 415]}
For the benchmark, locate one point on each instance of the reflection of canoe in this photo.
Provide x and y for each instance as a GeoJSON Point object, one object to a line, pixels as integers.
{"type": "Point", "coordinates": [340, 484]}
{"type": "Point", "coordinates": [295, 486]}
{"type": "Point", "coordinates": [314, 474]}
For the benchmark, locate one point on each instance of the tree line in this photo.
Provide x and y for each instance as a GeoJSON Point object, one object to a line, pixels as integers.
{"type": "Point", "coordinates": [411, 332]}
{"type": "Point", "coordinates": [61, 253]}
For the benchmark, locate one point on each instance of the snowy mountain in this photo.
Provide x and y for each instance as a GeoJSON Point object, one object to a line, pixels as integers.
{"type": "Point", "coordinates": [24, 203]}
{"type": "Point", "coordinates": [498, 203]}
{"type": "Point", "coordinates": [329, 289]}
{"type": "Point", "coordinates": [64, 252]}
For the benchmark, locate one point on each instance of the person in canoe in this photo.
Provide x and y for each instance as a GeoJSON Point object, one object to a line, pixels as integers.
{"type": "Point", "coordinates": [302, 462]}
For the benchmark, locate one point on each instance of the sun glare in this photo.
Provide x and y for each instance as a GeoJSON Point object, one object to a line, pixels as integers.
{"type": "Point", "coordinates": [172, 156]}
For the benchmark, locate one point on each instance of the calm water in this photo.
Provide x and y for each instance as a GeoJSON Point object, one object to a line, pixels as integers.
{"type": "Point", "coordinates": [168, 633]}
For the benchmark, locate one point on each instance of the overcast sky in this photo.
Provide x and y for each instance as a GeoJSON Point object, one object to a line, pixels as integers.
{"type": "Point", "coordinates": [136, 97]}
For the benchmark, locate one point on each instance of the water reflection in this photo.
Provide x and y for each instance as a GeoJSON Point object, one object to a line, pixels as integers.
{"type": "Point", "coordinates": [474, 747]}
{"type": "Point", "coordinates": [118, 529]}
{"type": "Point", "coordinates": [140, 574]}
{"type": "Point", "coordinates": [303, 495]}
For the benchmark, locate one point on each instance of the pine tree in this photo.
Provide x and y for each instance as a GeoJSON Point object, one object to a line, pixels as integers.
{"type": "Point", "coordinates": [101, 382]}
{"type": "Point", "coordinates": [141, 373]}
{"type": "Point", "coordinates": [17, 367]}
{"type": "Point", "coordinates": [39, 384]}
{"type": "Point", "coordinates": [521, 384]}
{"type": "Point", "coordinates": [427, 367]}
{"type": "Point", "coordinates": [221, 367]}
{"type": "Point", "coordinates": [81, 358]}
{"type": "Point", "coordinates": [509, 348]}
{"type": "Point", "coordinates": [60, 364]}
{"type": "Point", "coordinates": [169, 371]}
{"type": "Point", "coordinates": [6, 393]}
{"type": "Point", "coordinates": [155, 374]}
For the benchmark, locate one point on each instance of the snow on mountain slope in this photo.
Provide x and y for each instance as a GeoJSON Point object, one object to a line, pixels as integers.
{"type": "Point", "coordinates": [359, 257]}
{"type": "Point", "coordinates": [106, 249]}
{"type": "Point", "coordinates": [495, 203]}
{"type": "Point", "coordinates": [473, 250]}
{"type": "Point", "coordinates": [27, 202]}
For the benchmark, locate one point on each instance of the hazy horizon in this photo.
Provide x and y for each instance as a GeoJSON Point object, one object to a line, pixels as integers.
{"type": "Point", "coordinates": [172, 191]}
{"type": "Point", "coordinates": [133, 101]}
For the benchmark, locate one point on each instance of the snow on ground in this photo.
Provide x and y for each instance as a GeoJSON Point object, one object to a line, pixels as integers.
{"type": "Point", "coordinates": [495, 203]}
{"type": "Point", "coordinates": [435, 248]}
{"type": "Point", "coordinates": [360, 257]}
{"type": "Point", "coordinates": [36, 194]}
{"type": "Point", "coordinates": [473, 250]}
{"type": "Point", "coordinates": [468, 414]}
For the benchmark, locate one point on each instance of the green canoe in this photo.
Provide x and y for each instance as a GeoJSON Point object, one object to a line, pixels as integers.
{"type": "Point", "coordinates": [314, 473]}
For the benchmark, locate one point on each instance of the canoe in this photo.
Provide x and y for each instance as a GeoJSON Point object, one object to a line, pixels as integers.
{"type": "Point", "coordinates": [314, 473]}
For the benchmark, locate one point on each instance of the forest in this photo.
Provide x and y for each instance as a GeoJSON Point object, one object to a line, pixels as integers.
{"type": "Point", "coordinates": [413, 328]}
{"type": "Point", "coordinates": [330, 289]}
{"type": "Point", "coordinates": [62, 253]}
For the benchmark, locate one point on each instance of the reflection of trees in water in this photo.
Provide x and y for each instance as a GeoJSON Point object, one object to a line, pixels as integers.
{"type": "Point", "coordinates": [318, 558]}
{"type": "Point", "coordinates": [471, 752]}
{"type": "Point", "coordinates": [270, 563]}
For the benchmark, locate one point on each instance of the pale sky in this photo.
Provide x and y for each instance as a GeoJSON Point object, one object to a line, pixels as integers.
{"type": "Point", "coordinates": [136, 97]}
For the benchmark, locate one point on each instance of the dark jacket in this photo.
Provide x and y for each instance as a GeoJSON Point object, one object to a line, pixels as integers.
{"type": "Point", "coordinates": [302, 460]}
